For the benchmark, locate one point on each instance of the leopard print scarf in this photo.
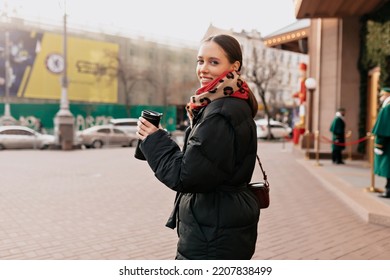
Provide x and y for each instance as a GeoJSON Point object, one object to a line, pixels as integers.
{"type": "Point", "coordinates": [229, 84]}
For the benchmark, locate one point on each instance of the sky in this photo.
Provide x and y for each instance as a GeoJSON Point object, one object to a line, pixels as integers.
{"type": "Point", "coordinates": [185, 20]}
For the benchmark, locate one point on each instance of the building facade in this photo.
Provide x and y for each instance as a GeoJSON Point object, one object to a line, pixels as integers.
{"type": "Point", "coordinates": [348, 75]}
{"type": "Point", "coordinates": [109, 75]}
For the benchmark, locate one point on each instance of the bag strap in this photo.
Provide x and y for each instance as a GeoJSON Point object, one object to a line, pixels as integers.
{"type": "Point", "coordinates": [262, 170]}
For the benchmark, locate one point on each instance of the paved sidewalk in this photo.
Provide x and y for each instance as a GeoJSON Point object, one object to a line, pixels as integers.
{"type": "Point", "coordinates": [354, 184]}
{"type": "Point", "coordinates": [307, 218]}
{"type": "Point", "coordinates": [105, 204]}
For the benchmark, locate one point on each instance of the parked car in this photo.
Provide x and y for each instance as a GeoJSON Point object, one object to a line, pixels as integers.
{"type": "Point", "coordinates": [128, 125]}
{"type": "Point", "coordinates": [105, 135]}
{"type": "Point", "coordinates": [22, 137]}
{"type": "Point", "coordinates": [278, 129]}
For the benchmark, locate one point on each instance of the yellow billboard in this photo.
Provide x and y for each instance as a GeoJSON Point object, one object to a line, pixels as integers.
{"type": "Point", "coordinates": [37, 63]}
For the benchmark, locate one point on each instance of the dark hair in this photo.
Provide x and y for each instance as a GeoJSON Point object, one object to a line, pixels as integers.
{"type": "Point", "coordinates": [233, 52]}
{"type": "Point", "coordinates": [230, 45]}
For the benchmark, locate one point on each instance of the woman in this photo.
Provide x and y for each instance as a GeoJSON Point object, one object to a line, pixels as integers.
{"type": "Point", "coordinates": [215, 213]}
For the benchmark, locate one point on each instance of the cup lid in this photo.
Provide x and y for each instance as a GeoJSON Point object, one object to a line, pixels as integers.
{"type": "Point", "coordinates": [151, 113]}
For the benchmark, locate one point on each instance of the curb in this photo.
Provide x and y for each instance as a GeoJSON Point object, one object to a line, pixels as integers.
{"type": "Point", "coordinates": [364, 205]}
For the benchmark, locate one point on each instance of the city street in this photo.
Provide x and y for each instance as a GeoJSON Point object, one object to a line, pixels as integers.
{"type": "Point", "coordinates": [105, 204]}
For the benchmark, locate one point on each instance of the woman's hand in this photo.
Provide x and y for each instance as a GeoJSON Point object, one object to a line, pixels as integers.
{"type": "Point", "coordinates": [145, 128]}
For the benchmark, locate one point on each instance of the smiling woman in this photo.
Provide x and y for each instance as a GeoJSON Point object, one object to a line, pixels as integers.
{"type": "Point", "coordinates": [215, 213]}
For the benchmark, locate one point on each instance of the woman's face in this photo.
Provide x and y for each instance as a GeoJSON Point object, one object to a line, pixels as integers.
{"type": "Point", "coordinates": [212, 62]}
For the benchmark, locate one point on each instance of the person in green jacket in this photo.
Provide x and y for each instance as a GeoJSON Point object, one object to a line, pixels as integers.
{"type": "Point", "coordinates": [381, 131]}
{"type": "Point", "coordinates": [338, 129]}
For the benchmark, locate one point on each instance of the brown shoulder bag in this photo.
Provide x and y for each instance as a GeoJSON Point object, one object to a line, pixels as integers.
{"type": "Point", "coordinates": [261, 189]}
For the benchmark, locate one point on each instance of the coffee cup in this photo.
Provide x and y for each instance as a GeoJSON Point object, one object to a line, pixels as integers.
{"type": "Point", "coordinates": [154, 118]}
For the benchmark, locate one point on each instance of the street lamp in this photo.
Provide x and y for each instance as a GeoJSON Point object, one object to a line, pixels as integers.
{"type": "Point", "coordinates": [7, 118]}
{"type": "Point", "coordinates": [311, 85]}
{"type": "Point", "coordinates": [64, 120]}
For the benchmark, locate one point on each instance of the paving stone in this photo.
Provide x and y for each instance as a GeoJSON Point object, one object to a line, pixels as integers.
{"type": "Point", "coordinates": [105, 204]}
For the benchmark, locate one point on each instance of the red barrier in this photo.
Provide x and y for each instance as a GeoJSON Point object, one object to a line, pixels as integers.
{"type": "Point", "coordinates": [346, 143]}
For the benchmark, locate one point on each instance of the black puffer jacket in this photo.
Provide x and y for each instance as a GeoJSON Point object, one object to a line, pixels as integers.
{"type": "Point", "coordinates": [216, 214]}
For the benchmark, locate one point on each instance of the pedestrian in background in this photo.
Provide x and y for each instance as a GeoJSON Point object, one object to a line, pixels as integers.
{"type": "Point", "coordinates": [215, 213]}
{"type": "Point", "coordinates": [381, 131]}
{"type": "Point", "coordinates": [338, 129]}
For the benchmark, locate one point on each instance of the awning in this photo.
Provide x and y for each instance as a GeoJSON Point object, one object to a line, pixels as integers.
{"type": "Point", "coordinates": [289, 36]}
{"type": "Point", "coordinates": [335, 8]}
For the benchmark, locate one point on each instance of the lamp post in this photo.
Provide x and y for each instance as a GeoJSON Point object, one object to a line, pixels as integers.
{"type": "Point", "coordinates": [311, 85]}
{"type": "Point", "coordinates": [64, 120]}
{"type": "Point", "coordinates": [308, 138]}
{"type": "Point", "coordinates": [7, 118]}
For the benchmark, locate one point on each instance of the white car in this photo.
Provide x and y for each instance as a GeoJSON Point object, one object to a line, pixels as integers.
{"type": "Point", "coordinates": [128, 125]}
{"type": "Point", "coordinates": [22, 137]}
{"type": "Point", "coordinates": [278, 129]}
{"type": "Point", "coordinates": [105, 135]}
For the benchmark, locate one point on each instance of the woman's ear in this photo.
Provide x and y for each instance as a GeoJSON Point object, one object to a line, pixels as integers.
{"type": "Point", "coordinates": [236, 66]}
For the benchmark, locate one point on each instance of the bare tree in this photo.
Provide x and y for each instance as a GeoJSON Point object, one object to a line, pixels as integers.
{"type": "Point", "coordinates": [171, 79]}
{"type": "Point", "coordinates": [127, 74]}
{"type": "Point", "coordinates": [261, 73]}
{"type": "Point", "coordinates": [171, 83]}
